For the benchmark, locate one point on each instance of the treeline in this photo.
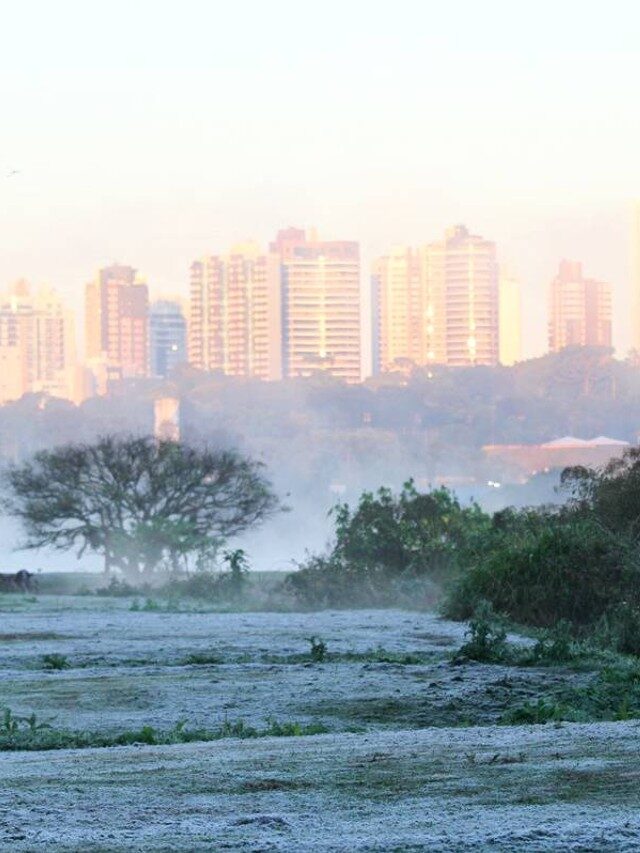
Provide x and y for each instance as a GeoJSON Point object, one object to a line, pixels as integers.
{"type": "Point", "coordinates": [463, 407]}
{"type": "Point", "coordinates": [577, 562]}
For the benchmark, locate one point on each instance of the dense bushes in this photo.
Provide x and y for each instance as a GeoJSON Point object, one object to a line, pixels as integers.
{"type": "Point", "coordinates": [545, 566]}
{"type": "Point", "coordinates": [578, 562]}
{"type": "Point", "coordinates": [389, 549]}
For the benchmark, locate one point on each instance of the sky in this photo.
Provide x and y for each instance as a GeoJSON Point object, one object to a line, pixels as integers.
{"type": "Point", "coordinates": [153, 133]}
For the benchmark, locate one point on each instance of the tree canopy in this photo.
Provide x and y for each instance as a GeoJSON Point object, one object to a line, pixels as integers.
{"type": "Point", "coordinates": [143, 504]}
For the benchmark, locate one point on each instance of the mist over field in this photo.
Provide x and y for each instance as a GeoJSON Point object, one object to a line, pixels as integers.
{"type": "Point", "coordinates": [323, 442]}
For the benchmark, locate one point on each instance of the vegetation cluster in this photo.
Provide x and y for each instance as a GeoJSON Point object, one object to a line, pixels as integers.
{"type": "Point", "coordinates": [575, 564]}
{"type": "Point", "coordinates": [28, 733]}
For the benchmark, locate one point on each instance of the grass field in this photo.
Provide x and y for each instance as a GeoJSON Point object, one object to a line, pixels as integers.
{"type": "Point", "coordinates": [412, 757]}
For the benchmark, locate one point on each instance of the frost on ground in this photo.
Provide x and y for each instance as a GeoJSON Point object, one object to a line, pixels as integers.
{"type": "Point", "coordinates": [390, 784]}
{"type": "Point", "coordinates": [568, 788]}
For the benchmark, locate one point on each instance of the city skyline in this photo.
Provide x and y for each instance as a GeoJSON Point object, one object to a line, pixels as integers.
{"type": "Point", "coordinates": [533, 289]}
{"type": "Point", "coordinates": [290, 308]}
{"type": "Point", "coordinates": [162, 149]}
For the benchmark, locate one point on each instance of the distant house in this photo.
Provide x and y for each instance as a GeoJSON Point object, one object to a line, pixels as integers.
{"type": "Point", "coordinates": [559, 453]}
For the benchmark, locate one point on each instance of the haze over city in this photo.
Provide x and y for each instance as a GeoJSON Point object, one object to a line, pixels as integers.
{"type": "Point", "coordinates": [152, 135]}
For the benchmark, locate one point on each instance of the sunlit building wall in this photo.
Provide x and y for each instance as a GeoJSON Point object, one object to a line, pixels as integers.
{"type": "Point", "coordinates": [463, 273]}
{"type": "Point", "coordinates": [401, 314]}
{"type": "Point", "coordinates": [321, 305]}
{"type": "Point", "coordinates": [580, 309]}
{"type": "Point", "coordinates": [510, 318]}
{"type": "Point", "coordinates": [235, 314]}
{"type": "Point", "coordinates": [16, 343]}
{"type": "Point", "coordinates": [117, 321]}
{"type": "Point", "coordinates": [438, 304]}
{"type": "Point", "coordinates": [54, 344]}
{"type": "Point", "coordinates": [37, 344]}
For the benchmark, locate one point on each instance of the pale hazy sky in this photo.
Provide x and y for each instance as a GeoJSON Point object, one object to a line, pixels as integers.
{"type": "Point", "coordinates": [153, 132]}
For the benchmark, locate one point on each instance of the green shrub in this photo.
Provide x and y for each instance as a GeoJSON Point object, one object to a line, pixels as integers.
{"type": "Point", "coordinates": [619, 628]}
{"type": "Point", "coordinates": [25, 733]}
{"type": "Point", "coordinates": [556, 645]}
{"type": "Point", "coordinates": [55, 661]}
{"type": "Point", "coordinates": [203, 659]}
{"type": "Point", "coordinates": [389, 549]}
{"type": "Point", "coordinates": [487, 637]}
{"type": "Point", "coordinates": [318, 650]}
{"type": "Point", "coordinates": [537, 713]}
{"type": "Point", "coordinates": [545, 567]}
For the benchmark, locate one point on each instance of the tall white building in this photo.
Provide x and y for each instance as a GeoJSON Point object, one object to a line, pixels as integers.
{"type": "Point", "coordinates": [37, 344]}
{"type": "Point", "coordinates": [235, 313]}
{"type": "Point", "coordinates": [438, 304]}
{"type": "Point", "coordinates": [321, 305]}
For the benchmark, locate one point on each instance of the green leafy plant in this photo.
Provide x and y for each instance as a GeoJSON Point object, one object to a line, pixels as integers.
{"type": "Point", "coordinates": [537, 713]}
{"type": "Point", "coordinates": [55, 661]}
{"type": "Point", "coordinates": [556, 645]}
{"type": "Point", "coordinates": [389, 548]}
{"type": "Point", "coordinates": [487, 637]}
{"type": "Point", "coordinates": [318, 650]}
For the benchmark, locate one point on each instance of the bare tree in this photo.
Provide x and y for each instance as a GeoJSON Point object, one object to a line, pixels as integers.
{"type": "Point", "coordinates": [141, 503]}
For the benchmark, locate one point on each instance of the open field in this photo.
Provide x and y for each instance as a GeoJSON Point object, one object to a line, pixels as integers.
{"type": "Point", "coordinates": [412, 759]}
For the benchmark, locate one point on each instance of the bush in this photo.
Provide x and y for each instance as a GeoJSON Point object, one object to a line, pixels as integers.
{"type": "Point", "coordinates": [547, 566]}
{"type": "Point", "coordinates": [118, 588]}
{"type": "Point", "coordinates": [487, 635]}
{"type": "Point", "coordinates": [389, 550]}
{"type": "Point", "coordinates": [619, 628]}
{"type": "Point", "coordinates": [55, 661]}
{"type": "Point", "coordinates": [556, 645]}
{"type": "Point", "coordinates": [318, 650]}
{"type": "Point", "coordinates": [26, 733]}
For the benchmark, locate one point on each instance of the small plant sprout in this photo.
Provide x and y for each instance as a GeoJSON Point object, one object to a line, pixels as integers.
{"type": "Point", "coordinates": [318, 650]}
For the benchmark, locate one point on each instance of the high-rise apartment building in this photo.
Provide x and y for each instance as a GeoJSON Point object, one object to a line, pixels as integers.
{"type": "Point", "coordinates": [37, 344]}
{"type": "Point", "coordinates": [235, 313]}
{"type": "Point", "coordinates": [579, 309]}
{"type": "Point", "coordinates": [439, 303]}
{"type": "Point", "coordinates": [321, 305]}
{"type": "Point", "coordinates": [167, 337]}
{"type": "Point", "coordinates": [400, 313]}
{"type": "Point", "coordinates": [465, 272]}
{"type": "Point", "coordinates": [117, 320]}
{"type": "Point", "coordinates": [510, 314]}
{"type": "Point", "coordinates": [290, 312]}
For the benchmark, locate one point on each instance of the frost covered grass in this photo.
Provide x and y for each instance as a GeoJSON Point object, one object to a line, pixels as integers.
{"type": "Point", "coordinates": [543, 788]}
{"type": "Point", "coordinates": [403, 708]}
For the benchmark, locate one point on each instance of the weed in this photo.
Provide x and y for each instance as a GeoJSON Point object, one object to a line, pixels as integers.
{"type": "Point", "coordinates": [25, 733]}
{"type": "Point", "coordinates": [12, 724]}
{"type": "Point", "coordinates": [203, 659]}
{"type": "Point", "coordinates": [318, 650]}
{"type": "Point", "coordinates": [537, 713]}
{"type": "Point", "coordinates": [55, 661]}
{"type": "Point", "coordinates": [619, 629]}
{"type": "Point", "coordinates": [487, 637]}
{"type": "Point", "coordinates": [556, 645]}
